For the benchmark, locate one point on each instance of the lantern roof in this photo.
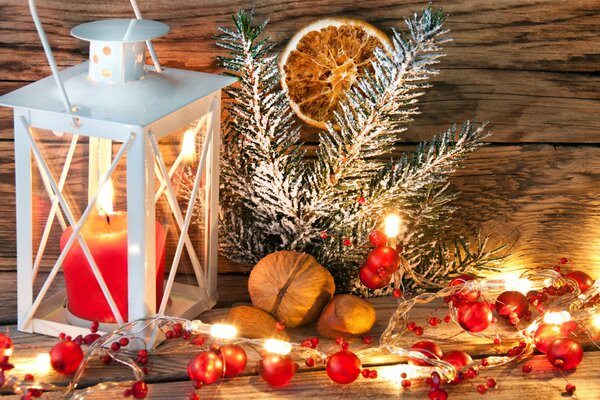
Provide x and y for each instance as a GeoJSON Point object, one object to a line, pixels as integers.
{"type": "Point", "coordinates": [120, 30]}
{"type": "Point", "coordinates": [138, 102]}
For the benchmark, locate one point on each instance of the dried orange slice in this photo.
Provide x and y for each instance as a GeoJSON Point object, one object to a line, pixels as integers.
{"type": "Point", "coordinates": [322, 62]}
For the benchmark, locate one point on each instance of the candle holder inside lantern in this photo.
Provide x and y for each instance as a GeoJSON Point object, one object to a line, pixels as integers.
{"type": "Point", "coordinates": [116, 184]}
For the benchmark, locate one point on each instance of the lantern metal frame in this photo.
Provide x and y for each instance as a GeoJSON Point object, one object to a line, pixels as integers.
{"type": "Point", "coordinates": [198, 100]}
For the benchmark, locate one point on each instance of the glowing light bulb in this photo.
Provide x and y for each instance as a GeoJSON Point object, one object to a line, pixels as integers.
{"type": "Point", "coordinates": [518, 285]}
{"type": "Point", "coordinates": [42, 363]}
{"type": "Point", "coordinates": [557, 317]}
{"type": "Point", "coordinates": [223, 331]}
{"type": "Point", "coordinates": [188, 146]}
{"type": "Point", "coordinates": [105, 198]}
{"type": "Point", "coordinates": [595, 321]}
{"type": "Point", "coordinates": [391, 225]}
{"type": "Point", "coordinates": [278, 346]}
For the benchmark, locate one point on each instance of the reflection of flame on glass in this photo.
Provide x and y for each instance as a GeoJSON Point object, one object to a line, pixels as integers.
{"type": "Point", "coordinates": [188, 146]}
{"type": "Point", "coordinates": [391, 225]}
{"type": "Point", "coordinates": [557, 317]}
{"type": "Point", "coordinates": [105, 198]}
{"type": "Point", "coordinates": [223, 331]}
{"type": "Point", "coordinates": [278, 346]}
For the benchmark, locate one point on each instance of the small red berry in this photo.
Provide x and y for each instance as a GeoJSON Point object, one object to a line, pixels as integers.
{"type": "Point", "coordinates": [447, 318]}
{"type": "Point", "coordinates": [362, 201]}
{"type": "Point", "coordinates": [127, 392]}
{"type": "Point", "coordinates": [169, 334]}
{"type": "Point", "coordinates": [279, 326]}
{"type": "Point", "coordinates": [62, 336]}
{"type": "Point", "coordinates": [418, 330]}
{"type": "Point", "coordinates": [397, 293]}
{"type": "Point", "coordinates": [178, 327]}
{"type": "Point", "coordinates": [373, 374]}
{"type": "Point", "coordinates": [310, 362]}
{"type": "Point", "coordinates": [570, 388]}
{"type": "Point", "coordinates": [29, 377]}
{"type": "Point", "coordinates": [143, 353]}
{"type": "Point", "coordinates": [339, 341]}
{"type": "Point", "coordinates": [557, 268]}
{"type": "Point", "coordinates": [323, 235]}
{"type": "Point", "coordinates": [345, 346]}
{"type": "Point", "coordinates": [115, 346]}
{"type": "Point", "coordinates": [564, 260]}
{"type": "Point", "coordinates": [365, 372]}
{"type": "Point", "coordinates": [485, 362]}
{"type": "Point", "coordinates": [94, 327]}
{"type": "Point", "coordinates": [347, 242]}
{"type": "Point", "coordinates": [194, 396]}
{"type": "Point", "coordinates": [199, 340]}
{"type": "Point", "coordinates": [367, 339]}
{"type": "Point", "coordinates": [314, 342]}
{"type": "Point", "coordinates": [403, 375]}
{"type": "Point", "coordinates": [106, 359]}
{"type": "Point", "coordinates": [411, 326]}
{"type": "Point", "coordinates": [526, 368]}
{"type": "Point", "coordinates": [491, 383]}
{"type": "Point", "coordinates": [139, 390]}
{"type": "Point", "coordinates": [497, 341]}
{"type": "Point", "coordinates": [123, 341]}
{"type": "Point", "coordinates": [482, 389]}
{"type": "Point", "coordinates": [406, 383]}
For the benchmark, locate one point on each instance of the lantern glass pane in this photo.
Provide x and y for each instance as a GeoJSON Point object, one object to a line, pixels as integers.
{"type": "Point", "coordinates": [181, 152]}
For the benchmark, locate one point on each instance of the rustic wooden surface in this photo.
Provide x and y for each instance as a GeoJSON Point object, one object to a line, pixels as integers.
{"type": "Point", "coordinates": [530, 68]}
{"type": "Point", "coordinates": [168, 378]}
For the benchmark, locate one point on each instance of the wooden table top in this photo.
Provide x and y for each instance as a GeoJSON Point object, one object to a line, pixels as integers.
{"type": "Point", "coordinates": [168, 379]}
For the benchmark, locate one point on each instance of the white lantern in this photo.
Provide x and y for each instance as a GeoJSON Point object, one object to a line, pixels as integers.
{"type": "Point", "coordinates": [153, 134]}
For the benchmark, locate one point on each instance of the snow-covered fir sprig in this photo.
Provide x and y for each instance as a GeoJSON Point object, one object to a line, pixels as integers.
{"type": "Point", "coordinates": [272, 198]}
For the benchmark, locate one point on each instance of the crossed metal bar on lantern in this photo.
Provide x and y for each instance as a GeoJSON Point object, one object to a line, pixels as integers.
{"type": "Point", "coordinates": [116, 97]}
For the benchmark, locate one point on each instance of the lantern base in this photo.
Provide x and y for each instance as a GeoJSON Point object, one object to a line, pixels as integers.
{"type": "Point", "coordinates": [54, 318]}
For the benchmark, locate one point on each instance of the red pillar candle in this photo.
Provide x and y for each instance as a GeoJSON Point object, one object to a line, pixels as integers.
{"type": "Point", "coordinates": [108, 244]}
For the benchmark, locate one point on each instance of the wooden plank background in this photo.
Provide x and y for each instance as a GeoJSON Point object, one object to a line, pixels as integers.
{"type": "Point", "coordinates": [530, 68]}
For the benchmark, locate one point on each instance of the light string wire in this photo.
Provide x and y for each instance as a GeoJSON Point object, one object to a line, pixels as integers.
{"type": "Point", "coordinates": [389, 342]}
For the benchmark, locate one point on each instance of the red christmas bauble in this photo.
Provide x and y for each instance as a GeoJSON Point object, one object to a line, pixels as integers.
{"type": "Point", "coordinates": [428, 349]}
{"type": "Point", "coordinates": [139, 390]}
{"type": "Point", "coordinates": [383, 259]}
{"type": "Point", "coordinates": [235, 359]}
{"type": "Point", "coordinates": [511, 302]}
{"type": "Point", "coordinates": [584, 281]}
{"type": "Point", "coordinates": [474, 316]}
{"type": "Point", "coordinates": [6, 346]}
{"type": "Point", "coordinates": [343, 367]}
{"type": "Point", "coordinates": [377, 238]}
{"type": "Point", "coordinates": [565, 354]}
{"type": "Point", "coordinates": [548, 333]}
{"type": "Point", "coordinates": [373, 280]}
{"type": "Point", "coordinates": [205, 367]}
{"type": "Point", "coordinates": [464, 295]}
{"type": "Point", "coordinates": [277, 370]}
{"type": "Point", "coordinates": [65, 357]}
{"type": "Point", "coordinates": [459, 359]}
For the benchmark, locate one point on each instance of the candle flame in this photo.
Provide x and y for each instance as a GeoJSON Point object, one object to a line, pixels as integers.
{"type": "Point", "coordinates": [223, 331]}
{"type": "Point", "coordinates": [188, 146]}
{"type": "Point", "coordinates": [391, 225]}
{"type": "Point", "coordinates": [105, 199]}
{"type": "Point", "coordinates": [557, 317]}
{"type": "Point", "coordinates": [278, 346]}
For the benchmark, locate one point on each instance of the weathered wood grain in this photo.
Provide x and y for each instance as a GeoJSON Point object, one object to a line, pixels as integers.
{"type": "Point", "coordinates": [529, 68]}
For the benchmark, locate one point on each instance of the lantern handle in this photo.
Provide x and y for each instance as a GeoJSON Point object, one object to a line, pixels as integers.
{"type": "Point", "coordinates": [50, 56]}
